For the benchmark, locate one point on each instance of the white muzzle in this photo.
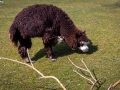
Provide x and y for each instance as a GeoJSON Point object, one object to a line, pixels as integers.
{"type": "Point", "coordinates": [84, 48]}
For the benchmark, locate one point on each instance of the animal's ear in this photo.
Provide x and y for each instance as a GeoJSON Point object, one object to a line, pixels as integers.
{"type": "Point", "coordinates": [84, 32]}
{"type": "Point", "coordinates": [78, 34]}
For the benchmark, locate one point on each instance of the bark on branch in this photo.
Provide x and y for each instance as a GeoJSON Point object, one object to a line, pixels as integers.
{"type": "Point", "coordinates": [93, 80]}
{"type": "Point", "coordinates": [114, 85]}
{"type": "Point", "coordinates": [32, 67]}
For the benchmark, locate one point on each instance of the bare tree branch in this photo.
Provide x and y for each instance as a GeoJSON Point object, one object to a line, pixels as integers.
{"type": "Point", "coordinates": [32, 67]}
{"type": "Point", "coordinates": [76, 65]}
{"type": "Point", "coordinates": [114, 85]}
{"type": "Point", "coordinates": [94, 81]}
{"type": "Point", "coordinates": [29, 58]}
{"type": "Point", "coordinates": [84, 76]}
{"type": "Point", "coordinates": [88, 70]}
{"type": "Point", "coordinates": [91, 88]}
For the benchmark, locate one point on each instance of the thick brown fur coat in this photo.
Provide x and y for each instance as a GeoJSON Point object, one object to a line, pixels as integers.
{"type": "Point", "coordinates": [48, 22]}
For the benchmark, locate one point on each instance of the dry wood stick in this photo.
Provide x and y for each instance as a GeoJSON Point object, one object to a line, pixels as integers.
{"type": "Point", "coordinates": [32, 67]}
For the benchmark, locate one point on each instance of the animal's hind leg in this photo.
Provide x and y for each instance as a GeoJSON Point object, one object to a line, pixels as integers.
{"type": "Point", "coordinates": [25, 44]}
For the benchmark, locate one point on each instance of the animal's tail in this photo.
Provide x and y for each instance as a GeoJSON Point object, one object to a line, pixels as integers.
{"type": "Point", "coordinates": [14, 34]}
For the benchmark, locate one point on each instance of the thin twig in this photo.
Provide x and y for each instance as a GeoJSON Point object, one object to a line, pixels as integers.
{"type": "Point", "coordinates": [56, 80]}
{"type": "Point", "coordinates": [30, 59]}
{"type": "Point", "coordinates": [94, 81]}
{"type": "Point", "coordinates": [76, 65]}
{"type": "Point", "coordinates": [109, 88]}
{"type": "Point", "coordinates": [114, 85]}
{"type": "Point", "coordinates": [32, 66]}
{"type": "Point", "coordinates": [84, 76]}
{"type": "Point", "coordinates": [91, 88]}
{"type": "Point", "coordinates": [23, 64]}
{"type": "Point", "coordinates": [88, 70]}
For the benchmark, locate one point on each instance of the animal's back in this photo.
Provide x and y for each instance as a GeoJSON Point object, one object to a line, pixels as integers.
{"type": "Point", "coordinates": [35, 19]}
{"type": "Point", "coordinates": [39, 11]}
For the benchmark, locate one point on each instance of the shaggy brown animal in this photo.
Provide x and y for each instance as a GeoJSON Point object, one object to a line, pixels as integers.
{"type": "Point", "coordinates": [48, 22]}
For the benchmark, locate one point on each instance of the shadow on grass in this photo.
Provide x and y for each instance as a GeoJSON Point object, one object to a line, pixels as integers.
{"type": "Point", "coordinates": [99, 81]}
{"type": "Point", "coordinates": [63, 50]}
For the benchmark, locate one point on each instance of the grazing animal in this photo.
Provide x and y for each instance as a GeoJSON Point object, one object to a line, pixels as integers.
{"type": "Point", "coordinates": [48, 22]}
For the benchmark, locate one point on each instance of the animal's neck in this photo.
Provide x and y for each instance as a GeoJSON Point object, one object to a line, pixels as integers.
{"type": "Point", "coordinates": [67, 29]}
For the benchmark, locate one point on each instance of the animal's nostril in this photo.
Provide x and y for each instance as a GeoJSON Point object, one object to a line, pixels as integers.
{"type": "Point", "coordinates": [81, 44]}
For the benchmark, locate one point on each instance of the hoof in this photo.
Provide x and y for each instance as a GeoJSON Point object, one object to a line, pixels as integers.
{"type": "Point", "coordinates": [28, 60]}
{"type": "Point", "coordinates": [52, 59]}
{"type": "Point", "coordinates": [31, 61]}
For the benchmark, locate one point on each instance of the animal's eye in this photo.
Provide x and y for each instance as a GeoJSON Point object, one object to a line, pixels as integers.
{"type": "Point", "coordinates": [81, 43]}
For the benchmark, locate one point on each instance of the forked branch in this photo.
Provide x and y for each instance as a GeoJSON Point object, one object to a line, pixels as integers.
{"type": "Point", "coordinates": [32, 67]}
{"type": "Point", "coordinates": [93, 81]}
{"type": "Point", "coordinates": [114, 85]}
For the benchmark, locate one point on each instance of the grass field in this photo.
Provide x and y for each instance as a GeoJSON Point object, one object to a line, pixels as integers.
{"type": "Point", "coordinates": [101, 21]}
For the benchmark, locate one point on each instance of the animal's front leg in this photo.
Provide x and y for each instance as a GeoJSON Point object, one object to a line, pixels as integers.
{"type": "Point", "coordinates": [23, 51]}
{"type": "Point", "coordinates": [49, 52]}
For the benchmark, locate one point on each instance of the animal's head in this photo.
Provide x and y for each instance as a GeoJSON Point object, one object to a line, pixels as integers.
{"type": "Point", "coordinates": [82, 41]}
{"type": "Point", "coordinates": [78, 40]}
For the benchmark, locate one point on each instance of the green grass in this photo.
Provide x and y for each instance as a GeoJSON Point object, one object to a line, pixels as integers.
{"type": "Point", "coordinates": [101, 21]}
